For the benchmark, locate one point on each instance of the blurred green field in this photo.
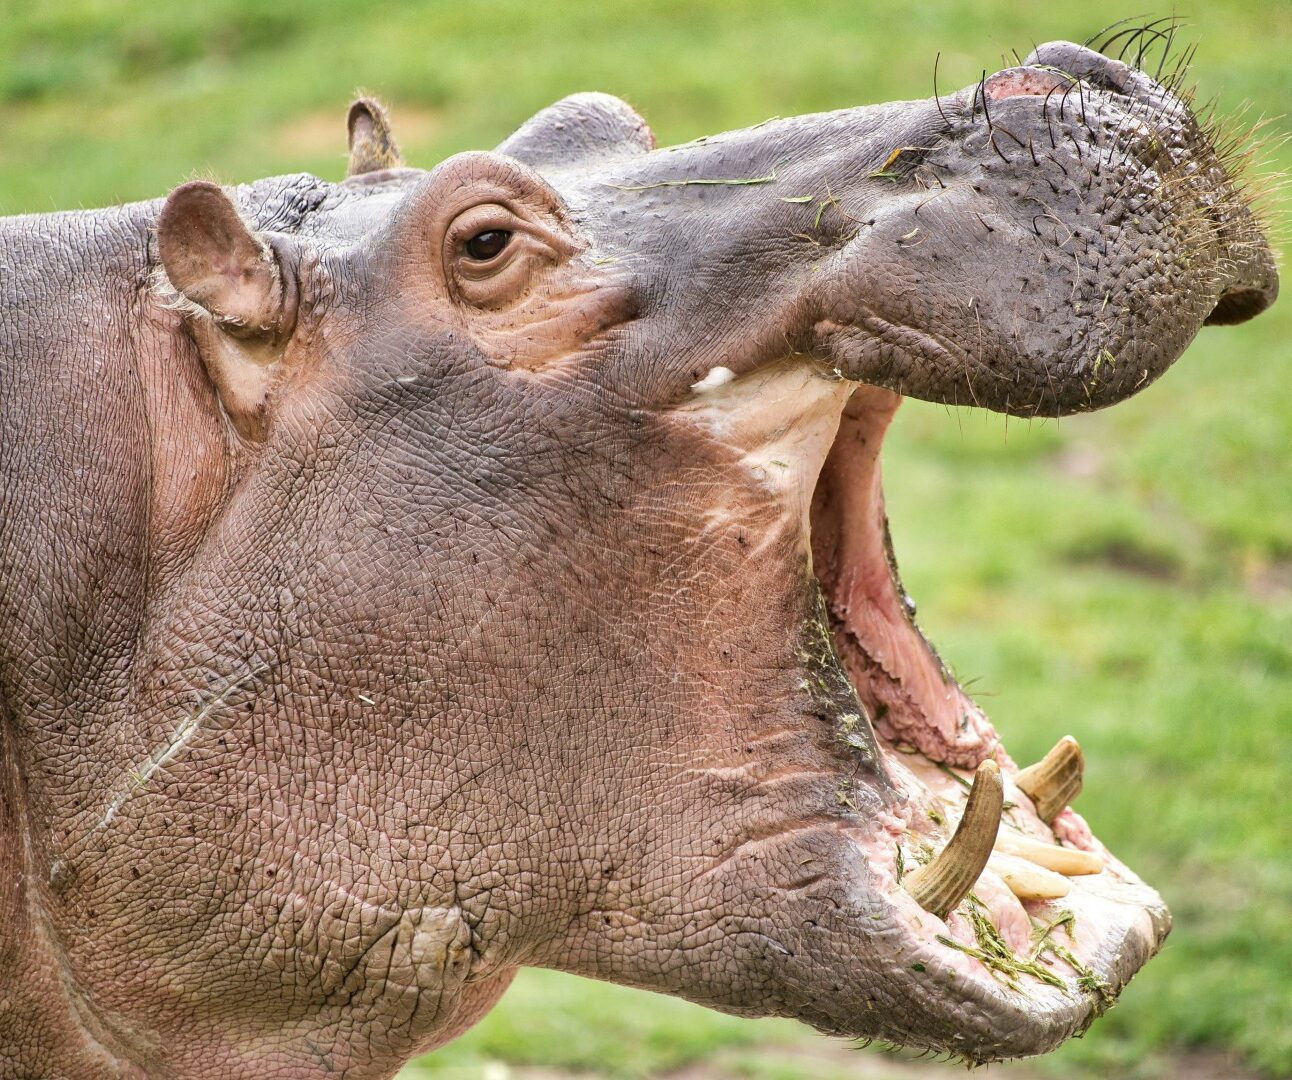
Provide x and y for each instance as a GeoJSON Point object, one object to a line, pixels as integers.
{"type": "Point", "coordinates": [1126, 577]}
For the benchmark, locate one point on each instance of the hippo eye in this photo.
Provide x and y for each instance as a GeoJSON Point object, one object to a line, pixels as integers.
{"type": "Point", "coordinates": [485, 245]}
{"type": "Point", "coordinates": [493, 252]}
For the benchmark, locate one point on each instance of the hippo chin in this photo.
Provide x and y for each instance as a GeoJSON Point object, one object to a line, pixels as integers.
{"type": "Point", "coordinates": [410, 579]}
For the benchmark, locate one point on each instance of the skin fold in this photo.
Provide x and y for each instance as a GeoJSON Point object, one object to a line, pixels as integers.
{"type": "Point", "coordinates": [379, 618]}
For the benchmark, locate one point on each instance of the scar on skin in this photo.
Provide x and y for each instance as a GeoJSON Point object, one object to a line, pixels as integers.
{"type": "Point", "coordinates": [142, 773]}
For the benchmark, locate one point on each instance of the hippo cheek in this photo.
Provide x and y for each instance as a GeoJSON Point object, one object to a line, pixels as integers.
{"type": "Point", "coordinates": [554, 323]}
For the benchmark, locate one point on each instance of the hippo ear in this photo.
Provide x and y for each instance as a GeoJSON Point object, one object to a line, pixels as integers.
{"type": "Point", "coordinates": [372, 146]}
{"type": "Point", "coordinates": [215, 261]}
{"type": "Point", "coordinates": [581, 127]}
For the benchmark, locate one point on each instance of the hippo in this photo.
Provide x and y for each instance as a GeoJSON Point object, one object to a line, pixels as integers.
{"type": "Point", "coordinates": [412, 578]}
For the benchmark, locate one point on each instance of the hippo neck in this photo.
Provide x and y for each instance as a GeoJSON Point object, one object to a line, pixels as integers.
{"type": "Point", "coordinates": [83, 388]}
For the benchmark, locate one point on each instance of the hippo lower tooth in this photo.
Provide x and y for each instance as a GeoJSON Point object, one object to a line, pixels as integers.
{"type": "Point", "coordinates": [1054, 781]}
{"type": "Point", "coordinates": [1062, 860]}
{"type": "Point", "coordinates": [943, 883]}
{"type": "Point", "coordinates": [1026, 880]}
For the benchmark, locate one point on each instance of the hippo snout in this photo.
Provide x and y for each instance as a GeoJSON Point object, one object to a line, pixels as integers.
{"type": "Point", "coordinates": [1254, 284]}
{"type": "Point", "coordinates": [1049, 241]}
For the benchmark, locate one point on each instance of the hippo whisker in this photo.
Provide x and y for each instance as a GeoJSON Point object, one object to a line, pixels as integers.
{"type": "Point", "coordinates": [1146, 42]}
{"type": "Point", "coordinates": [1132, 35]}
{"type": "Point", "coordinates": [1081, 97]}
{"type": "Point", "coordinates": [981, 92]}
{"type": "Point", "coordinates": [1174, 85]}
{"type": "Point", "coordinates": [1002, 127]}
{"type": "Point", "coordinates": [1167, 49]}
{"type": "Point", "coordinates": [1063, 101]}
{"type": "Point", "coordinates": [1100, 35]}
{"type": "Point", "coordinates": [937, 98]}
{"type": "Point", "coordinates": [1045, 114]}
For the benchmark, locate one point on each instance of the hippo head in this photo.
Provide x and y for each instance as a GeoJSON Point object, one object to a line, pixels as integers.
{"type": "Point", "coordinates": [543, 600]}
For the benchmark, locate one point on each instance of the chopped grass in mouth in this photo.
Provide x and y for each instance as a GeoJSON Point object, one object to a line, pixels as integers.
{"type": "Point", "coordinates": [1007, 966]}
{"type": "Point", "coordinates": [995, 955]}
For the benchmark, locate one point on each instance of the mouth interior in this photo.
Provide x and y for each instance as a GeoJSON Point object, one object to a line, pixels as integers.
{"type": "Point", "coordinates": [912, 699]}
{"type": "Point", "coordinates": [1052, 913]}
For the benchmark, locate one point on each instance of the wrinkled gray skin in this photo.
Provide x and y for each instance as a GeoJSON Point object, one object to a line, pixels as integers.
{"type": "Point", "coordinates": [328, 703]}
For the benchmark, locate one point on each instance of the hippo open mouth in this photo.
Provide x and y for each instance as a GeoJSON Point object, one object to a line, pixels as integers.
{"type": "Point", "coordinates": [1000, 924]}
{"type": "Point", "coordinates": [1000, 884]}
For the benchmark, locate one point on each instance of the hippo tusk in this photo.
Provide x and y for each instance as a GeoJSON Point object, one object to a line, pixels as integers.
{"type": "Point", "coordinates": [372, 146]}
{"type": "Point", "coordinates": [943, 883]}
{"type": "Point", "coordinates": [1054, 781]}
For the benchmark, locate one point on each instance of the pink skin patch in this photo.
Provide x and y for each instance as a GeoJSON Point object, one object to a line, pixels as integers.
{"type": "Point", "coordinates": [1025, 81]}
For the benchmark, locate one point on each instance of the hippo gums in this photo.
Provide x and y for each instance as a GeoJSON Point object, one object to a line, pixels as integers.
{"type": "Point", "coordinates": [412, 578]}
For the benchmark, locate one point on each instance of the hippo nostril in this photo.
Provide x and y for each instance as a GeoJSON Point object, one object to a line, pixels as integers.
{"type": "Point", "coordinates": [1239, 304]}
{"type": "Point", "coordinates": [1095, 68]}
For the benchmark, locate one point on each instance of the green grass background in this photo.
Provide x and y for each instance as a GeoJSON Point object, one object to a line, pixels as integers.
{"type": "Point", "coordinates": [1126, 577]}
